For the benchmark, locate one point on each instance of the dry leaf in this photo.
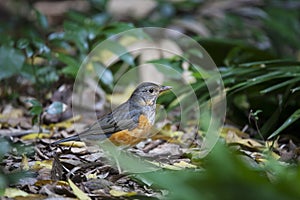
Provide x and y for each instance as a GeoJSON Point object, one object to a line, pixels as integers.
{"type": "Point", "coordinates": [184, 165]}
{"type": "Point", "coordinates": [24, 163]}
{"type": "Point", "coordinates": [34, 136]}
{"type": "Point", "coordinates": [232, 137]}
{"type": "Point", "coordinates": [14, 192]}
{"type": "Point", "coordinates": [165, 165]}
{"type": "Point", "coordinates": [65, 124]}
{"type": "Point", "coordinates": [118, 193]}
{"type": "Point", "coordinates": [78, 192]}
{"type": "Point", "coordinates": [45, 182]}
{"type": "Point", "coordinates": [42, 164]}
{"type": "Point", "coordinates": [73, 144]}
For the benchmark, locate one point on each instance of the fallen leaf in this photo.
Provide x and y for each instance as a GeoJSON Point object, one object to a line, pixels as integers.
{"type": "Point", "coordinates": [184, 165]}
{"type": "Point", "coordinates": [10, 112]}
{"type": "Point", "coordinates": [45, 182]}
{"type": "Point", "coordinates": [118, 193]}
{"type": "Point", "coordinates": [14, 192]}
{"type": "Point", "coordinates": [166, 149]}
{"type": "Point", "coordinates": [73, 144]}
{"type": "Point", "coordinates": [78, 192]}
{"type": "Point", "coordinates": [91, 176]}
{"type": "Point", "coordinates": [233, 138]}
{"type": "Point", "coordinates": [64, 124]}
{"type": "Point", "coordinates": [34, 136]}
{"type": "Point", "coordinates": [238, 132]}
{"type": "Point", "coordinates": [24, 163]}
{"type": "Point", "coordinates": [165, 165]}
{"type": "Point", "coordinates": [42, 164]}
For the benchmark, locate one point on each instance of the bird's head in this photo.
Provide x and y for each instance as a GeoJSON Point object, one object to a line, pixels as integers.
{"type": "Point", "coordinates": [147, 93]}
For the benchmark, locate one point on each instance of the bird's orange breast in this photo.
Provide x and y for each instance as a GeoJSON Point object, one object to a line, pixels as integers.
{"type": "Point", "coordinates": [134, 136]}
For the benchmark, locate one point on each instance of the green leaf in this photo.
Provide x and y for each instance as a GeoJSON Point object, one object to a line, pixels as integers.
{"type": "Point", "coordinates": [69, 60]}
{"type": "Point", "coordinates": [294, 117]}
{"type": "Point", "coordinates": [77, 34]}
{"type": "Point", "coordinates": [41, 19]}
{"type": "Point", "coordinates": [36, 108]}
{"type": "Point", "coordinates": [227, 176]}
{"type": "Point", "coordinates": [70, 70]}
{"type": "Point", "coordinates": [116, 28]}
{"type": "Point", "coordinates": [279, 85]}
{"type": "Point", "coordinates": [77, 17]}
{"type": "Point", "coordinates": [56, 36]}
{"type": "Point", "coordinates": [258, 80]}
{"type": "Point", "coordinates": [47, 75]}
{"type": "Point", "coordinates": [296, 89]}
{"type": "Point", "coordinates": [23, 43]}
{"type": "Point", "coordinates": [72, 65]}
{"type": "Point", "coordinates": [11, 63]}
{"type": "Point", "coordinates": [41, 46]}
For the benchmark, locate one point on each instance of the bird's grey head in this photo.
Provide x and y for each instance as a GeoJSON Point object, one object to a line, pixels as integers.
{"type": "Point", "coordinates": [147, 93]}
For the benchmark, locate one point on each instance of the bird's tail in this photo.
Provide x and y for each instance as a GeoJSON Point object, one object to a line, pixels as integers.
{"type": "Point", "coordinates": [72, 138]}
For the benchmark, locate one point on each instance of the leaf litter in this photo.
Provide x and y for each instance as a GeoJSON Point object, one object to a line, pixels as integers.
{"type": "Point", "coordinates": [73, 170]}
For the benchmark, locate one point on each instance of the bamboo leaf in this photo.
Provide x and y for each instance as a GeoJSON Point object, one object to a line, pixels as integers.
{"type": "Point", "coordinates": [294, 117]}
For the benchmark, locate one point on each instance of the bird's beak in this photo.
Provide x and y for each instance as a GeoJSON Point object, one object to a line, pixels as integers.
{"type": "Point", "coordinates": [164, 88]}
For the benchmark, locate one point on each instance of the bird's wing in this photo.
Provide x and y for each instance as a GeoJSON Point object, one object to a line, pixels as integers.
{"type": "Point", "coordinates": [120, 119]}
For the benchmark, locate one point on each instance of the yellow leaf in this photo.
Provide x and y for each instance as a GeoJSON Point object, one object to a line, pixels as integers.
{"type": "Point", "coordinates": [24, 163]}
{"type": "Point", "coordinates": [38, 60]}
{"type": "Point", "coordinates": [226, 130]}
{"type": "Point", "coordinates": [45, 182]}
{"type": "Point", "coordinates": [74, 119]}
{"type": "Point", "coordinates": [91, 176]}
{"type": "Point", "coordinates": [78, 192]}
{"type": "Point", "coordinates": [166, 130]}
{"type": "Point", "coordinates": [118, 193]}
{"type": "Point", "coordinates": [14, 192]}
{"type": "Point", "coordinates": [65, 124]}
{"type": "Point", "coordinates": [73, 144]}
{"type": "Point", "coordinates": [232, 137]}
{"type": "Point", "coordinates": [33, 136]}
{"type": "Point", "coordinates": [42, 164]}
{"type": "Point", "coordinates": [274, 144]}
{"type": "Point", "coordinates": [184, 164]}
{"type": "Point", "coordinates": [275, 155]}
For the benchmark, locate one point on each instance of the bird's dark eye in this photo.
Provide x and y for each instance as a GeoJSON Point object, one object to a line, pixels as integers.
{"type": "Point", "coordinates": [151, 90]}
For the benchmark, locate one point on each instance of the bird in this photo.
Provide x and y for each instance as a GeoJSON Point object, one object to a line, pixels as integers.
{"type": "Point", "coordinates": [129, 123]}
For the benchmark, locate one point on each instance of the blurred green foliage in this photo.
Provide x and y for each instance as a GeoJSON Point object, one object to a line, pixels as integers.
{"type": "Point", "coordinates": [8, 177]}
{"type": "Point", "coordinates": [36, 111]}
{"type": "Point", "coordinates": [229, 176]}
{"type": "Point", "coordinates": [42, 55]}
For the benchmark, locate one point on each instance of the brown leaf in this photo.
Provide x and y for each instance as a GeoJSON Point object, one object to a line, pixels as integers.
{"type": "Point", "coordinates": [57, 169]}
